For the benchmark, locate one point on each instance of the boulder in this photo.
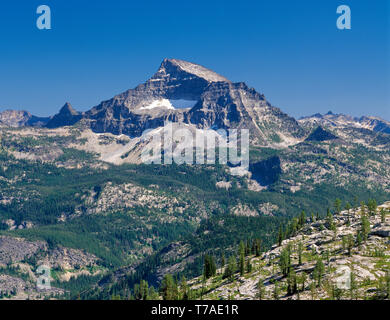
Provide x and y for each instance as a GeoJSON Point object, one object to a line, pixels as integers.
{"type": "Point", "coordinates": [381, 231]}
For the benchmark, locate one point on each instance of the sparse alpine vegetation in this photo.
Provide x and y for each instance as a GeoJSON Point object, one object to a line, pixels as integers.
{"type": "Point", "coordinates": [344, 256]}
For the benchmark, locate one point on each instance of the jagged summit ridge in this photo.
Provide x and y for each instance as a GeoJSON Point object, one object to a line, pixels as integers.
{"type": "Point", "coordinates": [174, 80]}
{"type": "Point", "coordinates": [330, 119]}
{"type": "Point", "coordinates": [176, 66]}
{"type": "Point", "coordinates": [21, 118]}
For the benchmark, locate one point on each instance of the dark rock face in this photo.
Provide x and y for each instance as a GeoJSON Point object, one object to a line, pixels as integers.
{"type": "Point", "coordinates": [66, 117]}
{"type": "Point", "coordinates": [320, 134]}
{"type": "Point", "coordinates": [14, 118]}
{"type": "Point", "coordinates": [381, 230]}
{"type": "Point", "coordinates": [266, 172]}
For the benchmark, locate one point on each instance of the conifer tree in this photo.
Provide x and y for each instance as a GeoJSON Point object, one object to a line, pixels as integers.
{"type": "Point", "coordinates": [258, 247]}
{"type": "Point", "coordinates": [242, 259]}
{"type": "Point", "coordinates": [353, 286]}
{"type": "Point", "coordinates": [362, 208]}
{"type": "Point", "coordinates": [294, 226]}
{"type": "Point", "coordinates": [291, 282]}
{"type": "Point", "coordinates": [223, 261]}
{"type": "Point", "coordinates": [260, 289]}
{"type": "Point", "coordinates": [184, 289]}
{"type": "Point", "coordinates": [231, 268]}
{"type": "Point", "coordinates": [329, 221]}
{"type": "Point", "coordinates": [327, 256]}
{"type": "Point", "coordinates": [248, 266]}
{"type": "Point", "coordinates": [337, 205]}
{"type": "Point", "coordinates": [144, 289]}
{"type": "Point", "coordinates": [312, 289]}
{"type": "Point", "coordinates": [284, 261]}
{"type": "Point", "coordinates": [319, 271]}
{"type": "Point", "coordinates": [383, 215]}
{"type": "Point", "coordinates": [359, 239]}
{"type": "Point", "coordinates": [141, 290]}
{"type": "Point", "coordinates": [209, 266]}
{"type": "Point", "coordinates": [303, 279]}
{"type": "Point", "coordinates": [344, 242]}
{"type": "Point", "coordinates": [302, 219]}
{"type": "Point", "coordinates": [348, 208]}
{"type": "Point", "coordinates": [350, 243]}
{"type": "Point", "coordinates": [280, 236]}
{"type": "Point", "coordinates": [300, 251]}
{"type": "Point", "coordinates": [253, 250]}
{"type": "Point", "coordinates": [153, 294]}
{"type": "Point", "coordinates": [337, 292]}
{"type": "Point", "coordinates": [247, 248]}
{"type": "Point", "coordinates": [169, 288]}
{"type": "Point", "coordinates": [365, 227]}
{"type": "Point", "coordinates": [276, 292]}
{"type": "Point", "coordinates": [372, 207]}
{"type": "Point", "coordinates": [241, 248]}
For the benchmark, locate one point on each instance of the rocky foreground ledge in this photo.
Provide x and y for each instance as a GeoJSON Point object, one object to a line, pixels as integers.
{"type": "Point", "coordinates": [344, 256]}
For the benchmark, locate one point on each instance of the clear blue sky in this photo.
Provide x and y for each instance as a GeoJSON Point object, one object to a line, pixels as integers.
{"type": "Point", "coordinates": [289, 50]}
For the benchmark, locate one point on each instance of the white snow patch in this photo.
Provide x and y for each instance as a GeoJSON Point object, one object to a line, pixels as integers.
{"type": "Point", "coordinates": [162, 103]}
{"type": "Point", "coordinates": [170, 104]}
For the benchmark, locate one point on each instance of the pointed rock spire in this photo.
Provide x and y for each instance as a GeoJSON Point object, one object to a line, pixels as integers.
{"type": "Point", "coordinates": [68, 109]}
{"type": "Point", "coordinates": [66, 117]}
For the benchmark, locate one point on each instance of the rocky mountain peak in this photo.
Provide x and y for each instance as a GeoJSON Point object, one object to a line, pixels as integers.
{"type": "Point", "coordinates": [66, 117]}
{"type": "Point", "coordinates": [175, 67]}
{"type": "Point", "coordinates": [67, 109]}
{"type": "Point", "coordinates": [186, 92]}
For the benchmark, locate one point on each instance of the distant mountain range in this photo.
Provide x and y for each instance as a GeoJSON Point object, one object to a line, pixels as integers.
{"type": "Point", "coordinates": [341, 120]}
{"type": "Point", "coordinates": [188, 93]}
